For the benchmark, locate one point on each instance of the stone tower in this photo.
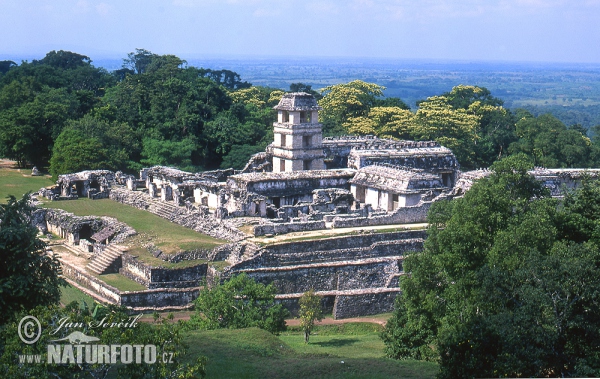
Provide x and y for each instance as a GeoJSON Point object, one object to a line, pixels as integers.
{"type": "Point", "coordinates": [298, 136]}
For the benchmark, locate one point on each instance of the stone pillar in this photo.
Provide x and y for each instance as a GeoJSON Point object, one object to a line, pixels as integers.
{"type": "Point", "coordinates": [65, 190]}
{"type": "Point", "coordinates": [263, 208]}
{"type": "Point", "coordinates": [151, 189]}
{"type": "Point", "coordinates": [144, 174]}
{"type": "Point", "coordinates": [177, 196]}
{"type": "Point", "coordinates": [86, 188]}
{"type": "Point", "coordinates": [166, 193]}
{"type": "Point", "coordinates": [131, 183]}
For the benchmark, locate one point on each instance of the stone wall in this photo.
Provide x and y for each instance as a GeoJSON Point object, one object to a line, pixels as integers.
{"type": "Point", "coordinates": [110, 293]}
{"type": "Point", "coordinates": [159, 277]}
{"type": "Point", "coordinates": [340, 275]}
{"type": "Point", "coordinates": [343, 242]}
{"type": "Point", "coordinates": [171, 298]}
{"type": "Point", "coordinates": [406, 215]}
{"type": "Point", "coordinates": [288, 227]}
{"type": "Point", "coordinates": [358, 305]}
{"type": "Point", "coordinates": [364, 269]}
{"type": "Point", "coordinates": [156, 299]}
{"type": "Point", "coordinates": [266, 258]}
{"type": "Point", "coordinates": [346, 304]}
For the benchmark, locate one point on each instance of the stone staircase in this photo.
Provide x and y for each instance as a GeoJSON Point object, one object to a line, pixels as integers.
{"type": "Point", "coordinates": [105, 261]}
{"type": "Point", "coordinates": [165, 210]}
{"type": "Point", "coordinates": [242, 252]}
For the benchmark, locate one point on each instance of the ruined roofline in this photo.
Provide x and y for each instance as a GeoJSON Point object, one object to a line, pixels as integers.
{"type": "Point", "coordinates": [298, 101]}
{"type": "Point", "coordinates": [475, 174]}
{"type": "Point", "coordinates": [397, 167]}
{"type": "Point", "coordinates": [308, 174]}
{"type": "Point", "coordinates": [85, 175]}
{"type": "Point", "coordinates": [373, 142]}
{"type": "Point", "coordinates": [349, 138]}
{"type": "Point", "coordinates": [395, 180]}
{"type": "Point", "coordinates": [575, 173]}
{"type": "Point", "coordinates": [169, 171]}
{"type": "Point", "coordinates": [425, 151]}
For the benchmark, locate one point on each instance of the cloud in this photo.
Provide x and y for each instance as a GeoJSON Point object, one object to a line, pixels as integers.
{"type": "Point", "coordinates": [103, 9]}
{"type": "Point", "coordinates": [323, 7]}
{"type": "Point", "coordinates": [266, 12]}
{"type": "Point", "coordinates": [82, 6]}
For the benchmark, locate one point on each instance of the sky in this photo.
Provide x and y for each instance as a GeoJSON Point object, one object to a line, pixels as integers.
{"type": "Point", "coordinates": [465, 30]}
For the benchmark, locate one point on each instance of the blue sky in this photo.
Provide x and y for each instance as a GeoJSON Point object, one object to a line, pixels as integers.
{"type": "Point", "coordinates": [471, 30]}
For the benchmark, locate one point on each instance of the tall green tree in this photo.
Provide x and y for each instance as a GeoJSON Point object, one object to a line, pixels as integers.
{"type": "Point", "coordinates": [28, 276]}
{"type": "Point", "coordinates": [6, 65]}
{"type": "Point", "coordinates": [239, 302]}
{"type": "Point", "coordinates": [311, 310]}
{"type": "Point", "coordinates": [341, 102]}
{"type": "Point", "coordinates": [551, 144]}
{"type": "Point", "coordinates": [503, 287]}
{"type": "Point", "coordinates": [455, 128]}
{"type": "Point", "coordinates": [74, 152]}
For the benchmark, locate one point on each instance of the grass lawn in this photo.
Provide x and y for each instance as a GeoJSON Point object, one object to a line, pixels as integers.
{"type": "Point", "coordinates": [18, 182]}
{"type": "Point", "coordinates": [166, 235]}
{"type": "Point", "coordinates": [69, 294]}
{"type": "Point", "coordinates": [254, 353]}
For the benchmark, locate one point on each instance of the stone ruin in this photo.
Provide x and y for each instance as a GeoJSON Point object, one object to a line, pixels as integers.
{"type": "Point", "coordinates": [93, 184]}
{"type": "Point", "coordinates": [558, 180]}
{"type": "Point", "coordinates": [302, 182]}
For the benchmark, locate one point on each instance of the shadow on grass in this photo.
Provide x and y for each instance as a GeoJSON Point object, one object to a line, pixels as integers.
{"type": "Point", "coordinates": [336, 342]}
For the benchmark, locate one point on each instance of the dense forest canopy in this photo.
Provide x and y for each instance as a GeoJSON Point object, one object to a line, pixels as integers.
{"type": "Point", "coordinates": [507, 283]}
{"type": "Point", "coordinates": [64, 113]}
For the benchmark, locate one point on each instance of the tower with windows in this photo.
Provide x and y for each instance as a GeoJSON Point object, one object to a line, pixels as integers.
{"type": "Point", "coordinates": [298, 136]}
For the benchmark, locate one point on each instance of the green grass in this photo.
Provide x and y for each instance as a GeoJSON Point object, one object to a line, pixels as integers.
{"type": "Point", "coordinates": [145, 256]}
{"type": "Point", "coordinates": [166, 235]}
{"type": "Point", "coordinates": [254, 353]}
{"type": "Point", "coordinates": [69, 294]}
{"type": "Point", "coordinates": [356, 340]}
{"type": "Point", "coordinates": [18, 182]}
{"type": "Point", "coordinates": [122, 283]}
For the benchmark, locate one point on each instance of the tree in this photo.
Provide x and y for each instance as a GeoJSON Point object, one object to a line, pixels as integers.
{"type": "Point", "coordinates": [344, 101]}
{"type": "Point", "coordinates": [550, 144]}
{"type": "Point", "coordinates": [301, 87]}
{"type": "Point", "coordinates": [6, 65]}
{"type": "Point", "coordinates": [75, 152]}
{"type": "Point", "coordinates": [168, 153]}
{"type": "Point", "coordinates": [28, 276]}
{"type": "Point", "coordinates": [164, 334]}
{"type": "Point", "coordinates": [310, 311]}
{"type": "Point", "coordinates": [64, 60]}
{"type": "Point", "coordinates": [239, 302]}
{"type": "Point", "coordinates": [436, 119]}
{"type": "Point", "coordinates": [384, 122]}
{"type": "Point", "coordinates": [503, 287]}
{"type": "Point", "coordinates": [463, 96]}
{"type": "Point", "coordinates": [138, 61]}
{"type": "Point", "coordinates": [239, 155]}
{"type": "Point", "coordinates": [31, 117]}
